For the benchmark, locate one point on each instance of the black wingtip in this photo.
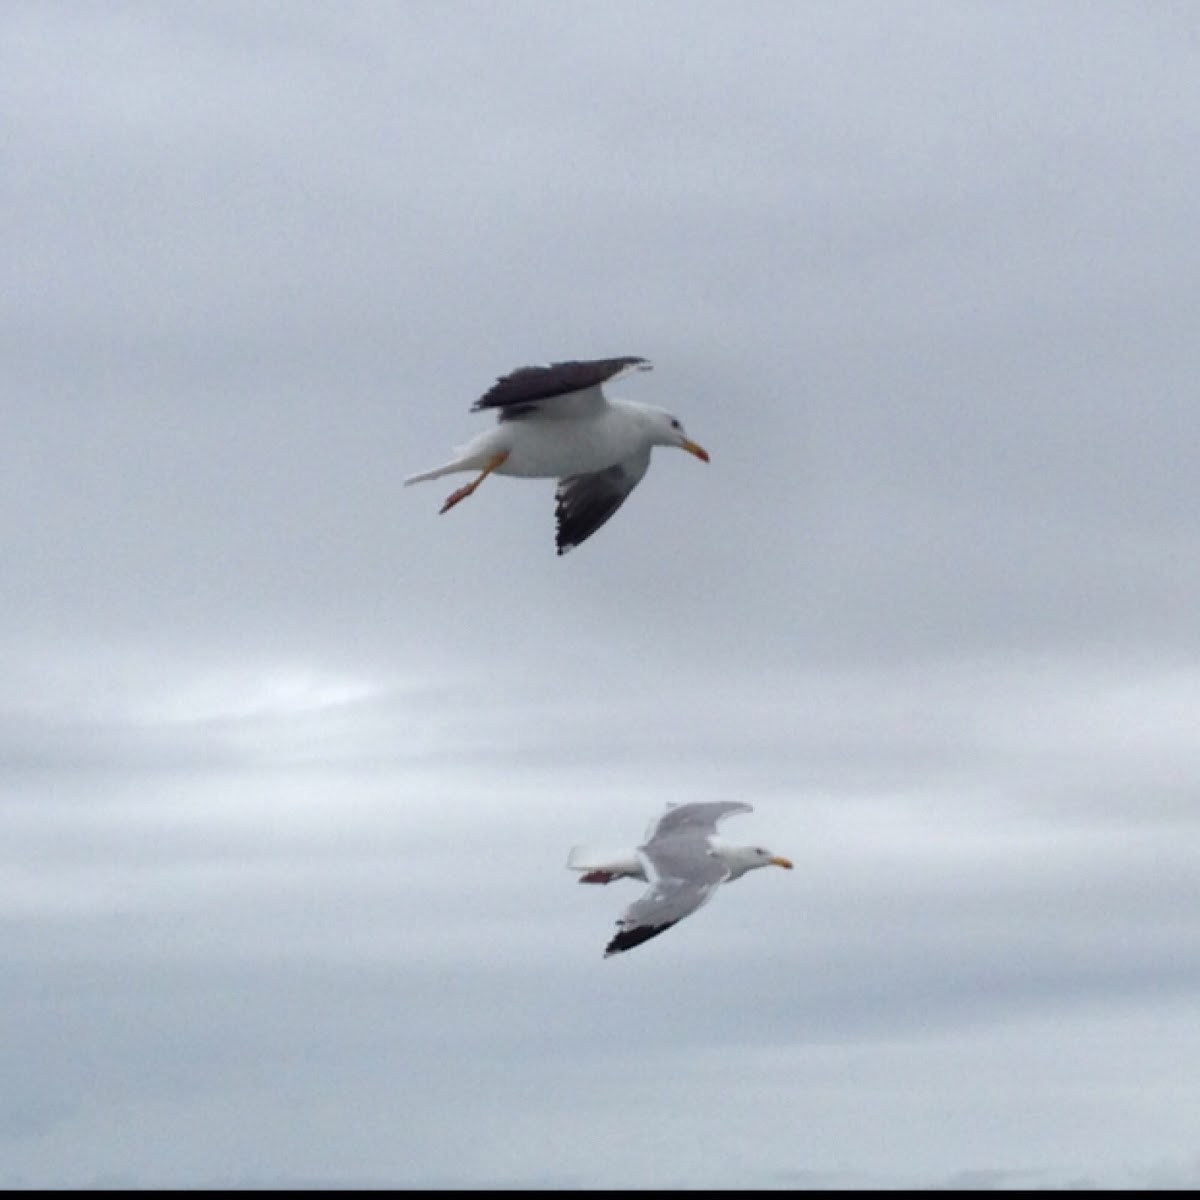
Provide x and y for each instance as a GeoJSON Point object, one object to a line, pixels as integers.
{"type": "Point", "coordinates": [584, 503]}
{"type": "Point", "coordinates": [628, 938]}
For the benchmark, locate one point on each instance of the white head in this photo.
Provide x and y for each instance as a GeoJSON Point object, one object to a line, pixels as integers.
{"type": "Point", "coordinates": [740, 859]}
{"type": "Point", "coordinates": [668, 431]}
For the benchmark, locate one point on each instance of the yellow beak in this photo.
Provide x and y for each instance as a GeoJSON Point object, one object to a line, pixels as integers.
{"type": "Point", "coordinates": [691, 447]}
{"type": "Point", "coordinates": [779, 861]}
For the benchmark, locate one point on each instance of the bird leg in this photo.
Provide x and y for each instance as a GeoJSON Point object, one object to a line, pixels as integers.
{"type": "Point", "coordinates": [463, 492]}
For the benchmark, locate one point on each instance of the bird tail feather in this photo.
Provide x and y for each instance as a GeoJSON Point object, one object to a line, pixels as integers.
{"type": "Point", "coordinates": [436, 473]}
{"type": "Point", "coordinates": [613, 863]}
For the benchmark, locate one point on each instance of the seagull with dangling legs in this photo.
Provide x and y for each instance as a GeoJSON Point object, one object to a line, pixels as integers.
{"type": "Point", "coordinates": [555, 422]}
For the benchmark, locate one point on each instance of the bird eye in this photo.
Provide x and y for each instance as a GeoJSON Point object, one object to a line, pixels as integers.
{"type": "Point", "coordinates": [675, 424]}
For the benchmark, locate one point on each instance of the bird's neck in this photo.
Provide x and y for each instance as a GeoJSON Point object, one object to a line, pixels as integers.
{"type": "Point", "coordinates": [735, 858]}
{"type": "Point", "coordinates": [644, 412]}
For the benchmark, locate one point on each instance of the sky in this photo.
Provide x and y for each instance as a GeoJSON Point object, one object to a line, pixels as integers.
{"type": "Point", "coordinates": [290, 764]}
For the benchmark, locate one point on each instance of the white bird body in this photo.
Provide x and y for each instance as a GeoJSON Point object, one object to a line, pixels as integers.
{"type": "Point", "coordinates": [605, 866]}
{"type": "Point", "coordinates": [602, 438]}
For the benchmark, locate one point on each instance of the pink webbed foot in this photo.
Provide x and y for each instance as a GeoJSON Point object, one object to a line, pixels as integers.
{"type": "Point", "coordinates": [461, 494]}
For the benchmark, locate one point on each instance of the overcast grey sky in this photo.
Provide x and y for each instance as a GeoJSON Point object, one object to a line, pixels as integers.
{"type": "Point", "coordinates": [290, 764]}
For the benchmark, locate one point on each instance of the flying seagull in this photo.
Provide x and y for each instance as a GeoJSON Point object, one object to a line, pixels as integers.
{"type": "Point", "coordinates": [555, 422]}
{"type": "Point", "coordinates": [683, 861]}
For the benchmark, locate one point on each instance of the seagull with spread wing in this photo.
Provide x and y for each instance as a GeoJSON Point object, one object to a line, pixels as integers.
{"type": "Point", "coordinates": [684, 862]}
{"type": "Point", "coordinates": [556, 422]}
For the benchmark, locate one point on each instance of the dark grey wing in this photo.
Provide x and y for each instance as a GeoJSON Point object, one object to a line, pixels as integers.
{"type": "Point", "coordinates": [585, 502]}
{"type": "Point", "coordinates": [698, 819]}
{"type": "Point", "coordinates": [529, 388]}
{"type": "Point", "coordinates": [685, 876]}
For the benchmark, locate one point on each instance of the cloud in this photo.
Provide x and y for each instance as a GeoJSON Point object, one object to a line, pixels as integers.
{"type": "Point", "coordinates": [291, 763]}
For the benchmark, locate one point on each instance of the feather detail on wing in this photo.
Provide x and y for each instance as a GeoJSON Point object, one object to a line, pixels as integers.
{"type": "Point", "coordinates": [585, 502]}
